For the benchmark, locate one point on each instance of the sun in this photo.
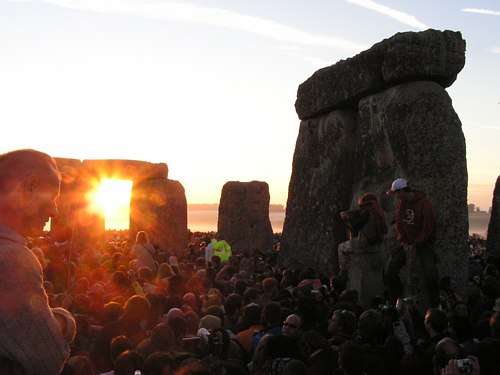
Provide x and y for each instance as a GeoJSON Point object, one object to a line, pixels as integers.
{"type": "Point", "coordinates": [112, 198]}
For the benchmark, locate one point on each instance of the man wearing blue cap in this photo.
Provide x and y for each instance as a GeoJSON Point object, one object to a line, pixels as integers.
{"type": "Point", "coordinates": [416, 229]}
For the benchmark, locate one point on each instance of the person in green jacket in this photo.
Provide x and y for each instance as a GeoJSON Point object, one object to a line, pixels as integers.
{"type": "Point", "coordinates": [222, 249]}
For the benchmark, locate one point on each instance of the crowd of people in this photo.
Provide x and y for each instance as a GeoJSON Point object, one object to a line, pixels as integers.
{"type": "Point", "coordinates": [128, 307]}
{"type": "Point", "coordinates": [248, 316]}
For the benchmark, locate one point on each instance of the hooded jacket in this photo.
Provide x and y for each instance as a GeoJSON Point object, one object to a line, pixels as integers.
{"type": "Point", "coordinates": [375, 229]}
{"type": "Point", "coordinates": [416, 220]}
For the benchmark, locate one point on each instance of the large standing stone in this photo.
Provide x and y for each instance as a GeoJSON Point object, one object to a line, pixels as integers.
{"type": "Point", "coordinates": [401, 123]}
{"type": "Point", "coordinates": [493, 241]}
{"type": "Point", "coordinates": [159, 207]}
{"type": "Point", "coordinates": [412, 131]}
{"type": "Point", "coordinates": [244, 217]}
{"type": "Point", "coordinates": [365, 275]}
{"type": "Point", "coordinates": [62, 225]}
{"type": "Point", "coordinates": [320, 188]}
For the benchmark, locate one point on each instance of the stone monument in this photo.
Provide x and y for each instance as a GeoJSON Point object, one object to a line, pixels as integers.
{"type": "Point", "coordinates": [244, 217]}
{"type": "Point", "coordinates": [158, 205]}
{"type": "Point", "coordinates": [365, 121]}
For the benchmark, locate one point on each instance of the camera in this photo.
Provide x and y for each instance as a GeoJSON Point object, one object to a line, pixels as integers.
{"type": "Point", "coordinates": [215, 341]}
{"type": "Point", "coordinates": [383, 307]}
{"type": "Point", "coordinates": [465, 366]}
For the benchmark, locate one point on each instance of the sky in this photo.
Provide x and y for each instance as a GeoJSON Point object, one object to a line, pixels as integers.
{"type": "Point", "coordinates": [209, 87]}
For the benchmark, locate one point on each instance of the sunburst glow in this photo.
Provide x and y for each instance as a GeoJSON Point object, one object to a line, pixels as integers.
{"type": "Point", "coordinates": [112, 197]}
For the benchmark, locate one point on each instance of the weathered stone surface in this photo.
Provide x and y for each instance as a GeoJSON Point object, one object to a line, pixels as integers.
{"type": "Point", "coordinates": [62, 225]}
{"type": "Point", "coordinates": [366, 275]}
{"type": "Point", "coordinates": [341, 85]}
{"type": "Point", "coordinates": [159, 207]}
{"type": "Point", "coordinates": [429, 55]}
{"type": "Point", "coordinates": [77, 220]}
{"type": "Point", "coordinates": [244, 217]}
{"type": "Point", "coordinates": [320, 188]}
{"type": "Point", "coordinates": [410, 131]}
{"type": "Point", "coordinates": [493, 241]}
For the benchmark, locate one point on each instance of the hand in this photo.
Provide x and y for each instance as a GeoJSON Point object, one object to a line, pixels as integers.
{"type": "Point", "coordinates": [411, 304]}
{"type": "Point", "coordinates": [475, 365]}
{"type": "Point", "coordinates": [410, 250]}
{"type": "Point", "coordinates": [453, 369]}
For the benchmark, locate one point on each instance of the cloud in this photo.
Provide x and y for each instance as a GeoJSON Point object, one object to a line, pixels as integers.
{"type": "Point", "coordinates": [298, 52]}
{"type": "Point", "coordinates": [476, 124]}
{"type": "Point", "coordinates": [287, 48]}
{"type": "Point", "coordinates": [482, 11]}
{"type": "Point", "coordinates": [495, 49]}
{"type": "Point", "coordinates": [193, 13]}
{"type": "Point", "coordinates": [402, 17]}
{"type": "Point", "coordinates": [490, 127]}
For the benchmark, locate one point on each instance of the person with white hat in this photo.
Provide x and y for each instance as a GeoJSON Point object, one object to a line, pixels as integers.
{"type": "Point", "coordinates": [416, 230]}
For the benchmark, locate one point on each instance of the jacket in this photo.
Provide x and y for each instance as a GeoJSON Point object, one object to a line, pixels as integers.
{"type": "Point", "coordinates": [31, 338]}
{"type": "Point", "coordinates": [416, 220]}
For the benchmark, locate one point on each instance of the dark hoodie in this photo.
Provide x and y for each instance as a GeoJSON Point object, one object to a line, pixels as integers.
{"type": "Point", "coordinates": [375, 229]}
{"type": "Point", "coordinates": [416, 220]}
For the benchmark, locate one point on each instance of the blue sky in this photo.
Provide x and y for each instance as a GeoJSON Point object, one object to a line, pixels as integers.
{"type": "Point", "coordinates": [209, 86]}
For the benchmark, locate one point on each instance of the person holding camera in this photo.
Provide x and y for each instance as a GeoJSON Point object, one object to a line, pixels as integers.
{"type": "Point", "coordinates": [367, 227]}
{"type": "Point", "coordinates": [466, 366]}
{"type": "Point", "coordinates": [450, 359]}
{"type": "Point", "coordinates": [436, 325]}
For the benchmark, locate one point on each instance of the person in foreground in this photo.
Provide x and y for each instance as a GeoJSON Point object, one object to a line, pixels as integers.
{"type": "Point", "coordinates": [34, 339]}
{"type": "Point", "coordinates": [416, 229]}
